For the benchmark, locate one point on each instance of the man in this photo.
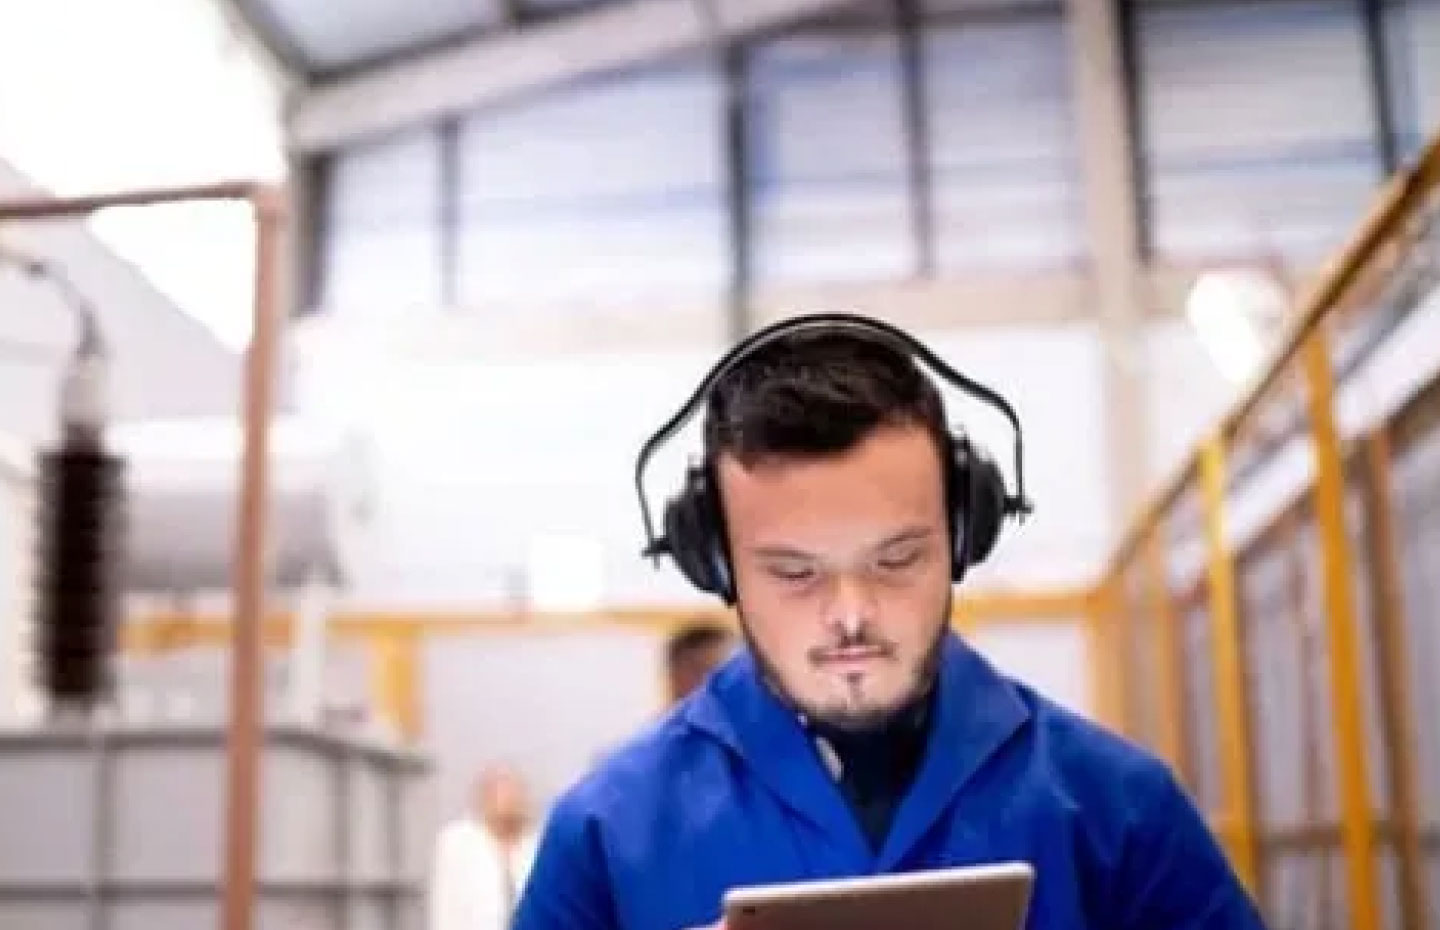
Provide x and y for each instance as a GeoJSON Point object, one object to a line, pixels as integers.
{"type": "Point", "coordinates": [483, 859]}
{"type": "Point", "coordinates": [691, 654]}
{"type": "Point", "coordinates": [856, 734]}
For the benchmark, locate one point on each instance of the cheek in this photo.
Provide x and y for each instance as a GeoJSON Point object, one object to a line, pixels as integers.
{"type": "Point", "coordinates": [775, 623]}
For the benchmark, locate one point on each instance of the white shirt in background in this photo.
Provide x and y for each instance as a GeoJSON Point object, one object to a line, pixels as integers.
{"type": "Point", "coordinates": [474, 884]}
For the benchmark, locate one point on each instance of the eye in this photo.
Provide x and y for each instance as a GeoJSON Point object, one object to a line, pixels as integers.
{"type": "Point", "coordinates": [898, 561]}
{"type": "Point", "coordinates": [791, 573]}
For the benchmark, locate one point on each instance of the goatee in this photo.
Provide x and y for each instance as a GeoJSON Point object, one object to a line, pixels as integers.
{"type": "Point", "coordinates": [859, 719]}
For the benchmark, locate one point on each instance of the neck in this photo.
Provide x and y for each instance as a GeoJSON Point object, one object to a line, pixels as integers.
{"type": "Point", "coordinates": [874, 767]}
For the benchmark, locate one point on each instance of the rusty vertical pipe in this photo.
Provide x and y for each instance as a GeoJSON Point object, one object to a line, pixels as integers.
{"type": "Point", "coordinates": [246, 698]}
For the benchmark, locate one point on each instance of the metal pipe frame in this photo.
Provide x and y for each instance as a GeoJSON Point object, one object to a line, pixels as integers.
{"type": "Point", "coordinates": [1168, 659]}
{"type": "Point", "coordinates": [1229, 670]}
{"type": "Point", "coordinates": [1398, 718]}
{"type": "Point", "coordinates": [1342, 636]}
{"type": "Point", "coordinates": [1304, 354]}
{"type": "Point", "coordinates": [1398, 201]}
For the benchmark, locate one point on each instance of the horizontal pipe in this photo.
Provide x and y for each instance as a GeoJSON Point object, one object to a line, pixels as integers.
{"type": "Point", "coordinates": [31, 208]}
{"type": "Point", "coordinates": [160, 631]}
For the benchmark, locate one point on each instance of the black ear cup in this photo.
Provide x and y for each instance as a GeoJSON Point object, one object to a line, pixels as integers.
{"type": "Point", "coordinates": [694, 532]}
{"type": "Point", "coordinates": [978, 496]}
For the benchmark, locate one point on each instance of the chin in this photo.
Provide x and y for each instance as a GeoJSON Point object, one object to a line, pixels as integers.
{"type": "Point", "coordinates": [857, 716]}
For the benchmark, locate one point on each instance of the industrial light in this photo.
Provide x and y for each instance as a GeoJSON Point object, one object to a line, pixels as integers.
{"type": "Point", "coordinates": [565, 573]}
{"type": "Point", "coordinates": [1236, 314]}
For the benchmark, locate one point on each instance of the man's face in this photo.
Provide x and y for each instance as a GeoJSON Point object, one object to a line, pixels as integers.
{"type": "Point", "coordinates": [843, 572]}
{"type": "Point", "coordinates": [690, 670]}
{"type": "Point", "coordinates": [501, 801]}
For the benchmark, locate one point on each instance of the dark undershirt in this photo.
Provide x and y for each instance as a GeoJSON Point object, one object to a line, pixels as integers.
{"type": "Point", "coordinates": [878, 766]}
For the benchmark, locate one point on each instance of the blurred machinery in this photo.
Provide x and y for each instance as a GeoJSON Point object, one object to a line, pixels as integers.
{"type": "Point", "coordinates": [89, 790]}
{"type": "Point", "coordinates": [79, 521]}
{"type": "Point", "coordinates": [184, 473]}
{"type": "Point", "coordinates": [321, 509]}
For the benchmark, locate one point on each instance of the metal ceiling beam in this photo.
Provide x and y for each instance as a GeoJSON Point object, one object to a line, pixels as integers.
{"type": "Point", "coordinates": [332, 114]}
{"type": "Point", "coordinates": [260, 21]}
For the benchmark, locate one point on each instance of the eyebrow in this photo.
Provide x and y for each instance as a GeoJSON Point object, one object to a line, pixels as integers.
{"type": "Point", "coordinates": [780, 551]}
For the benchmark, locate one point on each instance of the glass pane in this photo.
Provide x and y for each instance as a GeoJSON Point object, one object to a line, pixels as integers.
{"type": "Point", "coordinates": [1004, 157]}
{"type": "Point", "coordinates": [605, 193]}
{"type": "Point", "coordinates": [1257, 126]}
{"type": "Point", "coordinates": [827, 151]}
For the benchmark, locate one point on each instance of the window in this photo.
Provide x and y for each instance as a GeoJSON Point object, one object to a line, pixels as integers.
{"type": "Point", "coordinates": [1412, 50]}
{"type": "Point", "coordinates": [827, 156]}
{"type": "Point", "coordinates": [382, 225]}
{"type": "Point", "coordinates": [605, 193]}
{"type": "Point", "coordinates": [1257, 126]}
{"type": "Point", "coordinates": [1004, 157]}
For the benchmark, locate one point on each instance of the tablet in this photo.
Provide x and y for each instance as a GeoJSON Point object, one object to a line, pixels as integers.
{"type": "Point", "coordinates": [988, 897]}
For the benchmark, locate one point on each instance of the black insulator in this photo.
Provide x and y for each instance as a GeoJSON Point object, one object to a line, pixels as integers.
{"type": "Point", "coordinates": [78, 597]}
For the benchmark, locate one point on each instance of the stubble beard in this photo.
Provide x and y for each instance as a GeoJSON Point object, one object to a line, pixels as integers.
{"type": "Point", "coordinates": [855, 718]}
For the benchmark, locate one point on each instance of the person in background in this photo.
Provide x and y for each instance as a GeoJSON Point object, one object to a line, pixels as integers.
{"type": "Point", "coordinates": [482, 860]}
{"type": "Point", "coordinates": [691, 653]}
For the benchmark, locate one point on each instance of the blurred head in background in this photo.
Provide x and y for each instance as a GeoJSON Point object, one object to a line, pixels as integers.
{"type": "Point", "coordinates": [691, 653]}
{"type": "Point", "coordinates": [502, 803]}
{"type": "Point", "coordinates": [828, 453]}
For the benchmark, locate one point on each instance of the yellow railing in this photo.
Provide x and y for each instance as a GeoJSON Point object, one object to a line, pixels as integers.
{"type": "Point", "coordinates": [1256, 608]}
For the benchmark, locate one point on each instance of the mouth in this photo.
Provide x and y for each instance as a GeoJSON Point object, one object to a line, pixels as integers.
{"type": "Point", "coordinates": [852, 658]}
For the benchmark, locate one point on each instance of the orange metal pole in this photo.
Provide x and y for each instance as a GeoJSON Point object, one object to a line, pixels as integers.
{"type": "Point", "coordinates": [1229, 669]}
{"type": "Point", "coordinates": [1399, 717]}
{"type": "Point", "coordinates": [395, 681]}
{"type": "Point", "coordinates": [244, 733]}
{"type": "Point", "coordinates": [1358, 825]}
{"type": "Point", "coordinates": [1107, 681]}
{"type": "Point", "coordinates": [1170, 670]}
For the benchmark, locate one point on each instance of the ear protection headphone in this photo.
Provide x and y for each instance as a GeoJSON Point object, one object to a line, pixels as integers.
{"type": "Point", "coordinates": [976, 494]}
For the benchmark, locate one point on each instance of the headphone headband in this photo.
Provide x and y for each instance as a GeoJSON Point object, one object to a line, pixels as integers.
{"type": "Point", "coordinates": [864, 327]}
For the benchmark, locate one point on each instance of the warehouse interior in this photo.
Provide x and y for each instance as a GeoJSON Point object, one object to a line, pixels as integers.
{"type": "Point", "coordinates": [390, 294]}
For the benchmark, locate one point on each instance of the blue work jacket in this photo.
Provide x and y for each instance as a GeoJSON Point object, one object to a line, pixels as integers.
{"type": "Point", "coordinates": [728, 790]}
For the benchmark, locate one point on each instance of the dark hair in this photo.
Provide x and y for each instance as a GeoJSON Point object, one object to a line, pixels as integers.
{"type": "Point", "coordinates": [693, 638]}
{"type": "Point", "coordinates": [817, 394]}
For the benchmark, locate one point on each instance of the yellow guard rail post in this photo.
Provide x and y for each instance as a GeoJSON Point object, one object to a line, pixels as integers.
{"type": "Point", "coordinates": [1357, 819]}
{"type": "Point", "coordinates": [1229, 669]}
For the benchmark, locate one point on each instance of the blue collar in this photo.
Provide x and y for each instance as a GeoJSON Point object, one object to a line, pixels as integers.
{"type": "Point", "coordinates": [976, 712]}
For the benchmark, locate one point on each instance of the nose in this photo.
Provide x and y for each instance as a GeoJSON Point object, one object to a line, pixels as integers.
{"type": "Point", "coordinates": [852, 604]}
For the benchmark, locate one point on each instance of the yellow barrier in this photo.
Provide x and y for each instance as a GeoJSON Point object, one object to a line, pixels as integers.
{"type": "Point", "coordinates": [392, 638]}
{"type": "Point", "coordinates": [1305, 671]}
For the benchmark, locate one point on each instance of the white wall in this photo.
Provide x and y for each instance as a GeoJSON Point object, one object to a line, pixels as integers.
{"type": "Point", "coordinates": [165, 364]}
{"type": "Point", "coordinates": [1185, 395]}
